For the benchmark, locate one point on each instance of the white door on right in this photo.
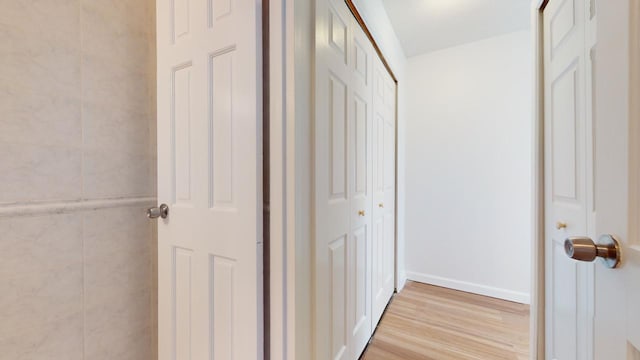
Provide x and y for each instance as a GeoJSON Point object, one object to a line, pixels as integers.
{"type": "Point", "coordinates": [384, 137]}
{"type": "Point", "coordinates": [592, 177]}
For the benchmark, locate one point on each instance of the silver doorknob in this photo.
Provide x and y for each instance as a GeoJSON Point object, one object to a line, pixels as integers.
{"type": "Point", "coordinates": [584, 249]}
{"type": "Point", "coordinates": [158, 212]}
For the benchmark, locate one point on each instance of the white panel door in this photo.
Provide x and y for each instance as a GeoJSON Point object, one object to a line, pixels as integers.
{"type": "Point", "coordinates": [568, 201]}
{"type": "Point", "coordinates": [592, 142]}
{"type": "Point", "coordinates": [333, 233]}
{"type": "Point", "coordinates": [616, 89]}
{"type": "Point", "coordinates": [383, 222]}
{"type": "Point", "coordinates": [360, 186]}
{"type": "Point", "coordinates": [209, 173]}
{"type": "Point", "coordinates": [348, 251]}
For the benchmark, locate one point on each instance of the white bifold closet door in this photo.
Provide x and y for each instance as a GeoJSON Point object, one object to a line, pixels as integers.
{"type": "Point", "coordinates": [384, 189]}
{"type": "Point", "coordinates": [354, 207]}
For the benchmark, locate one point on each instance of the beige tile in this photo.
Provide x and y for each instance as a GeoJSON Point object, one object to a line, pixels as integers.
{"type": "Point", "coordinates": [40, 72]}
{"type": "Point", "coordinates": [117, 77]}
{"type": "Point", "coordinates": [117, 95]}
{"type": "Point", "coordinates": [41, 282]}
{"type": "Point", "coordinates": [40, 100]}
{"type": "Point", "coordinates": [118, 290]}
{"type": "Point", "coordinates": [123, 131]}
{"type": "Point", "coordinates": [39, 172]}
{"type": "Point", "coordinates": [111, 173]}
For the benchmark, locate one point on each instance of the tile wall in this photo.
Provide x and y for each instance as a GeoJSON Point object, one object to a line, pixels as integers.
{"type": "Point", "coordinates": [77, 170]}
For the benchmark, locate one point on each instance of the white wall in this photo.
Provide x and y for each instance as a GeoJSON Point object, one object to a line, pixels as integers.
{"type": "Point", "coordinates": [377, 20]}
{"type": "Point", "coordinates": [469, 167]}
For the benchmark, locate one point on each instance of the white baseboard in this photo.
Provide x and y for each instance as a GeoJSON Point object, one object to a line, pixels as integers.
{"type": "Point", "coordinates": [515, 296]}
{"type": "Point", "coordinates": [402, 281]}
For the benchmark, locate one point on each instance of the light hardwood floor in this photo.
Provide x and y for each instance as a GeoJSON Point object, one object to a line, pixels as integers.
{"type": "Point", "coordinates": [428, 322]}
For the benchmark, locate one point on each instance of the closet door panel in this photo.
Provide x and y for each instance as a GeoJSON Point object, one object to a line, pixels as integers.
{"type": "Point", "coordinates": [354, 259]}
{"type": "Point", "coordinates": [384, 190]}
{"type": "Point", "coordinates": [360, 185]}
{"type": "Point", "coordinates": [332, 193]}
{"type": "Point", "coordinates": [389, 203]}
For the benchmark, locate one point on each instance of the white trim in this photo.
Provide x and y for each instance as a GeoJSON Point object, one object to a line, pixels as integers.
{"type": "Point", "coordinates": [63, 207]}
{"type": "Point", "coordinates": [277, 171]}
{"type": "Point", "coordinates": [634, 124]}
{"type": "Point", "coordinates": [287, 237]}
{"type": "Point", "coordinates": [494, 292]}
{"type": "Point", "coordinates": [290, 227]}
{"type": "Point", "coordinates": [402, 281]}
{"type": "Point", "coordinates": [537, 298]}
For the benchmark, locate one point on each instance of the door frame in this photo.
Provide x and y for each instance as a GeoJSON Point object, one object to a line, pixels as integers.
{"type": "Point", "coordinates": [537, 321]}
{"type": "Point", "coordinates": [291, 20]}
{"type": "Point", "coordinates": [291, 53]}
{"type": "Point", "coordinates": [282, 230]}
{"type": "Point", "coordinates": [634, 126]}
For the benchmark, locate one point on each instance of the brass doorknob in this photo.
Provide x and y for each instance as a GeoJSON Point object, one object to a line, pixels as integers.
{"type": "Point", "coordinates": [584, 249]}
{"type": "Point", "coordinates": [561, 225]}
{"type": "Point", "coordinates": [381, 205]}
{"type": "Point", "coordinates": [361, 213]}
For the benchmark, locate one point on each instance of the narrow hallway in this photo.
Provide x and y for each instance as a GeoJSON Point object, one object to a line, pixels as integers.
{"type": "Point", "coordinates": [428, 322]}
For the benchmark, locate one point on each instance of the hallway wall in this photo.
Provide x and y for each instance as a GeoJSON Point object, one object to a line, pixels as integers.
{"type": "Point", "coordinates": [77, 158]}
{"type": "Point", "coordinates": [469, 167]}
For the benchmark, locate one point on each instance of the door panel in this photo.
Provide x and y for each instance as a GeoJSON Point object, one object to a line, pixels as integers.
{"type": "Point", "coordinates": [567, 199]}
{"type": "Point", "coordinates": [352, 136]}
{"type": "Point", "coordinates": [222, 132]}
{"type": "Point", "coordinates": [338, 295]}
{"type": "Point", "coordinates": [209, 173]}
{"type": "Point", "coordinates": [361, 147]}
{"type": "Point", "coordinates": [222, 272]}
{"type": "Point", "coordinates": [563, 311]}
{"type": "Point", "coordinates": [182, 302]}
{"type": "Point", "coordinates": [384, 190]}
{"type": "Point", "coordinates": [346, 145]}
{"type": "Point", "coordinates": [562, 21]}
{"type": "Point", "coordinates": [615, 47]}
{"type": "Point", "coordinates": [338, 138]}
{"type": "Point", "coordinates": [378, 259]}
{"type": "Point", "coordinates": [181, 134]}
{"type": "Point", "coordinates": [359, 310]}
{"type": "Point", "coordinates": [360, 183]}
{"type": "Point", "coordinates": [333, 190]}
{"type": "Point", "coordinates": [564, 136]}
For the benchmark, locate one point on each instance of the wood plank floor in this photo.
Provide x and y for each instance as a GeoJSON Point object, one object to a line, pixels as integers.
{"type": "Point", "coordinates": [427, 322]}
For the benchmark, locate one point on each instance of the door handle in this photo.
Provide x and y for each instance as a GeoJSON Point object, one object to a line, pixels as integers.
{"type": "Point", "coordinates": [582, 248]}
{"type": "Point", "coordinates": [158, 212]}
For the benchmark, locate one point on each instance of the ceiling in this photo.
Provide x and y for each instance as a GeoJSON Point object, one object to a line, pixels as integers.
{"type": "Point", "coordinates": [427, 25]}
